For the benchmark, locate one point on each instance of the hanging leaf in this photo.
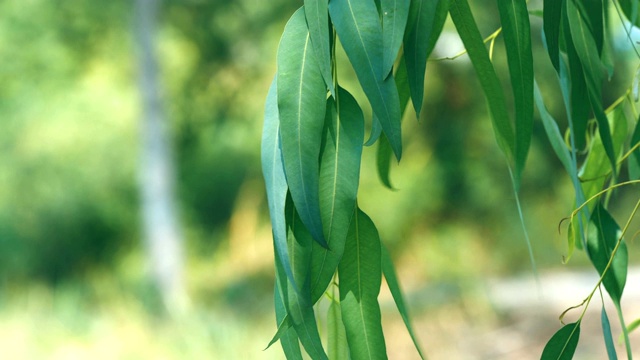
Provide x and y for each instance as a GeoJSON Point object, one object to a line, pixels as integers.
{"type": "Point", "coordinates": [563, 343]}
{"type": "Point", "coordinates": [339, 178]}
{"type": "Point", "coordinates": [606, 332]}
{"type": "Point", "coordinates": [275, 181]}
{"type": "Point", "coordinates": [317, 15]}
{"type": "Point", "coordinates": [360, 279]}
{"type": "Point", "coordinates": [286, 333]}
{"type": "Point", "coordinates": [517, 37]}
{"type": "Point", "coordinates": [426, 21]}
{"type": "Point", "coordinates": [634, 158]}
{"type": "Point", "coordinates": [634, 325]}
{"type": "Point", "coordinates": [603, 236]}
{"type": "Point", "coordinates": [551, 25]}
{"type": "Point", "coordinates": [301, 102]}
{"type": "Point", "coordinates": [472, 40]}
{"type": "Point", "coordinates": [358, 26]}
{"type": "Point", "coordinates": [394, 20]}
{"type": "Point", "coordinates": [337, 346]}
{"type": "Point", "coordinates": [392, 281]}
{"type": "Point", "coordinates": [630, 10]}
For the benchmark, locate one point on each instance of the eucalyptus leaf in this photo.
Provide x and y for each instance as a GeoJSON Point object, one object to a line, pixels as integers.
{"type": "Point", "coordinates": [394, 20]}
{"type": "Point", "coordinates": [286, 333]}
{"type": "Point", "coordinates": [563, 343]}
{"type": "Point", "coordinates": [317, 15]}
{"type": "Point", "coordinates": [360, 275]}
{"type": "Point", "coordinates": [337, 346]}
{"type": "Point", "coordinates": [606, 332]}
{"type": "Point", "coordinates": [630, 10]}
{"type": "Point", "coordinates": [634, 158]}
{"type": "Point", "coordinates": [339, 178]}
{"type": "Point", "coordinates": [360, 31]}
{"type": "Point", "coordinates": [301, 103]}
{"type": "Point", "coordinates": [552, 10]}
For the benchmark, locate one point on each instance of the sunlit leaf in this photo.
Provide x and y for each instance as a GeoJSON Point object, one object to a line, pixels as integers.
{"type": "Point", "coordinates": [360, 275]}
{"type": "Point", "coordinates": [301, 102]}
{"type": "Point", "coordinates": [337, 346]}
{"type": "Point", "coordinates": [317, 15]}
{"type": "Point", "coordinates": [606, 332]}
{"type": "Point", "coordinates": [634, 325]}
{"type": "Point", "coordinates": [473, 42]}
{"type": "Point", "coordinates": [517, 37]}
{"type": "Point", "coordinates": [274, 178]}
{"type": "Point", "coordinates": [426, 21]}
{"type": "Point", "coordinates": [563, 343]}
{"type": "Point", "coordinates": [603, 235]}
{"type": "Point", "coordinates": [392, 281]}
{"type": "Point", "coordinates": [339, 177]}
{"type": "Point", "coordinates": [394, 19]}
{"type": "Point", "coordinates": [360, 32]}
{"type": "Point", "coordinates": [551, 25]}
{"type": "Point", "coordinates": [589, 54]}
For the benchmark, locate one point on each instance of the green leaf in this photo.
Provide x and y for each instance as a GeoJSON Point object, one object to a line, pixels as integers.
{"type": "Point", "coordinates": [339, 178]}
{"type": "Point", "coordinates": [426, 21]}
{"type": "Point", "coordinates": [301, 102]}
{"type": "Point", "coordinates": [360, 279]}
{"type": "Point", "coordinates": [275, 180]}
{"type": "Point", "coordinates": [551, 25]}
{"type": "Point", "coordinates": [630, 10]}
{"type": "Point", "coordinates": [473, 42]}
{"type": "Point", "coordinates": [376, 130]}
{"type": "Point", "coordinates": [392, 281]}
{"type": "Point", "coordinates": [383, 162]}
{"type": "Point", "coordinates": [517, 37]}
{"type": "Point", "coordinates": [602, 237]}
{"type": "Point", "coordinates": [563, 343]}
{"type": "Point", "coordinates": [358, 26]}
{"type": "Point", "coordinates": [337, 346]}
{"type": "Point", "coordinates": [286, 333]}
{"type": "Point", "coordinates": [608, 338]}
{"type": "Point", "coordinates": [577, 90]}
{"type": "Point", "coordinates": [634, 325]}
{"type": "Point", "coordinates": [394, 20]}
{"type": "Point", "coordinates": [589, 54]}
{"type": "Point", "coordinates": [317, 15]}
{"type": "Point", "coordinates": [634, 158]}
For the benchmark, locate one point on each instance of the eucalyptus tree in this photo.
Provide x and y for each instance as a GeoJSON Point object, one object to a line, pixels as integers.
{"type": "Point", "coordinates": [313, 137]}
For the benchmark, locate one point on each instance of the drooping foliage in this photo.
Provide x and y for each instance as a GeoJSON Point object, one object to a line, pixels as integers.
{"type": "Point", "coordinates": [314, 136]}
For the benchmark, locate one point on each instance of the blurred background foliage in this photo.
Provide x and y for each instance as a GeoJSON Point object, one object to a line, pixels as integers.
{"type": "Point", "coordinates": [72, 266]}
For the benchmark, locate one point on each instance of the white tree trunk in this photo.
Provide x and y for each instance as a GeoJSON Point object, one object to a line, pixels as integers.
{"type": "Point", "coordinates": [161, 228]}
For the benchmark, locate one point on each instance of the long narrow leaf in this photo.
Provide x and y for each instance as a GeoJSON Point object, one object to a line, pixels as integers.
{"type": "Point", "coordinates": [426, 21]}
{"type": "Point", "coordinates": [360, 279]}
{"type": "Point", "coordinates": [301, 102]}
{"type": "Point", "coordinates": [275, 181]}
{"type": "Point", "coordinates": [470, 35]}
{"type": "Point", "coordinates": [606, 332]}
{"type": "Point", "coordinates": [286, 333]}
{"type": "Point", "coordinates": [634, 159]}
{"type": "Point", "coordinates": [552, 10]}
{"type": "Point", "coordinates": [339, 178]}
{"type": "Point", "coordinates": [337, 346]}
{"type": "Point", "coordinates": [392, 280]}
{"type": "Point", "coordinates": [317, 15]}
{"type": "Point", "coordinates": [563, 343]}
{"type": "Point", "coordinates": [394, 21]}
{"type": "Point", "coordinates": [517, 38]}
{"type": "Point", "coordinates": [358, 26]}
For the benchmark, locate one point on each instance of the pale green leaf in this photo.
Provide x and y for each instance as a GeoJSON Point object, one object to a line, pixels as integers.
{"type": "Point", "coordinates": [339, 178]}
{"type": "Point", "coordinates": [286, 333]}
{"type": "Point", "coordinates": [517, 37]}
{"type": "Point", "coordinates": [563, 343]}
{"type": "Point", "coordinates": [337, 346]}
{"type": "Point", "coordinates": [394, 20]}
{"type": "Point", "coordinates": [317, 15]}
{"type": "Point", "coordinates": [360, 279]}
{"type": "Point", "coordinates": [360, 32]}
{"type": "Point", "coordinates": [392, 281]}
{"type": "Point", "coordinates": [301, 102]}
{"type": "Point", "coordinates": [426, 21]}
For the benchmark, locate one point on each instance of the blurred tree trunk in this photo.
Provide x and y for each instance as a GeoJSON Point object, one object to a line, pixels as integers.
{"type": "Point", "coordinates": [161, 228]}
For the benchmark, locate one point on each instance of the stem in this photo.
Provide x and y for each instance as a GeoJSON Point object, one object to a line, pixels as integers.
{"type": "Point", "coordinates": [627, 343]}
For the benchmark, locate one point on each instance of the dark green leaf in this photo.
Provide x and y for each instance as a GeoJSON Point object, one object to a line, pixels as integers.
{"type": "Point", "coordinates": [317, 14]}
{"type": "Point", "coordinates": [360, 279]}
{"type": "Point", "coordinates": [339, 178]}
{"type": "Point", "coordinates": [426, 21]}
{"type": "Point", "coordinates": [551, 26]}
{"type": "Point", "coordinates": [634, 159]}
{"type": "Point", "coordinates": [301, 102]}
{"type": "Point", "coordinates": [392, 281]}
{"type": "Point", "coordinates": [577, 90]}
{"type": "Point", "coordinates": [337, 346]}
{"type": "Point", "coordinates": [473, 42]}
{"type": "Point", "coordinates": [603, 235]}
{"type": "Point", "coordinates": [517, 37]}
{"type": "Point", "coordinates": [630, 10]}
{"type": "Point", "coordinates": [274, 178]}
{"type": "Point", "coordinates": [563, 343]}
{"type": "Point", "coordinates": [358, 26]}
{"type": "Point", "coordinates": [383, 162]}
{"type": "Point", "coordinates": [394, 20]}
{"type": "Point", "coordinates": [608, 338]}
